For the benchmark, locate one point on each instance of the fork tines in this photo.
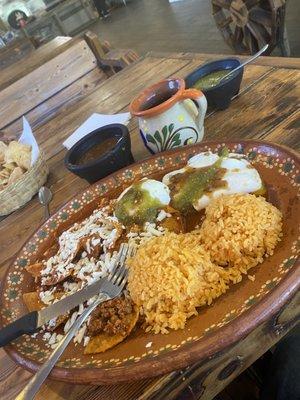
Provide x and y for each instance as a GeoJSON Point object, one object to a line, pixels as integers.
{"type": "Point", "coordinates": [118, 275]}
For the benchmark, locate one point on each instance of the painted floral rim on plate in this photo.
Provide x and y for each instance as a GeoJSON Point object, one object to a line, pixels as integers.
{"type": "Point", "coordinates": [30, 352]}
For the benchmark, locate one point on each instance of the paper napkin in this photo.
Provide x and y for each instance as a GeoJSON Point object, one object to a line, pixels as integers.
{"type": "Point", "coordinates": [95, 121]}
{"type": "Point", "coordinates": [27, 137]}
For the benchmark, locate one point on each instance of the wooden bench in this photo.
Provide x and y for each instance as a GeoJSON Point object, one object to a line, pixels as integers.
{"type": "Point", "coordinates": [53, 44]}
{"type": "Point", "coordinates": [49, 80]}
{"type": "Point", "coordinates": [15, 51]}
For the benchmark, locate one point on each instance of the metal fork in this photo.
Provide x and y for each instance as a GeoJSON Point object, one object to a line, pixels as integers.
{"type": "Point", "coordinates": [112, 287]}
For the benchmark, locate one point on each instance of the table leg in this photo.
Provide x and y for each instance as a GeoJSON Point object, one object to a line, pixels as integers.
{"type": "Point", "coordinates": [284, 44]}
{"type": "Point", "coordinates": [283, 41]}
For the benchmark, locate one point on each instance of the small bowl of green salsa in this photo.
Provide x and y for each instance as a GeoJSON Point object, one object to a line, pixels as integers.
{"type": "Point", "coordinates": [208, 79]}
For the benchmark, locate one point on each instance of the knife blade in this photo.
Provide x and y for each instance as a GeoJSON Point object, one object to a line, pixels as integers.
{"type": "Point", "coordinates": [61, 307]}
{"type": "Point", "coordinates": [32, 321]}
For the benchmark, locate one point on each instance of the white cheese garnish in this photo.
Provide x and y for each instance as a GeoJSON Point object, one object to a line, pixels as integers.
{"type": "Point", "coordinates": [95, 242]}
{"type": "Point", "coordinates": [98, 229]}
{"type": "Point", "coordinates": [47, 297]}
{"type": "Point", "coordinates": [46, 335]}
{"type": "Point", "coordinates": [162, 215]}
{"type": "Point", "coordinates": [80, 334]}
{"type": "Point", "coordinates": [52, 339]}
{"type": "Point", "coordinates": [52, 323]}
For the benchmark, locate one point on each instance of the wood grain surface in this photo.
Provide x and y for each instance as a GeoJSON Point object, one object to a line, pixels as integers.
{"type": "Point", "coordinates": [43, 82]}
{"type": "Point", "coordinates": [32, 62]}
{"type": "Point", "coordinates": [267, 108]}
{"type": "Point", "coordinates": [56, 103]}
{"type": "Point", "coordinates": [15, 51]}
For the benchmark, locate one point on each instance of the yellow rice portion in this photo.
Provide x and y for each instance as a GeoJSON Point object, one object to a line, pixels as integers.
{"type": "Point", "coordinates": [170, 276]}
{"type": "Point", "coordinates": [239, 230]}
{"type": "Point", "coordinates": [167, 279]}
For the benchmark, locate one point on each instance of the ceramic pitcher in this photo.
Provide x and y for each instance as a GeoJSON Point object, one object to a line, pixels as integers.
{"type": "Point", "coordinates": [169, 115]}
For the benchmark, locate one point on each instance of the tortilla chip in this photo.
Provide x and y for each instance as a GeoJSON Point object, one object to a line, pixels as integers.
{"type": "Point", "coordinates": [15, 175]}
{"type": "Point", "coordinates": [35, 269]}
{"type": "Point", "coordinates": [104, 341]}
{"type": "Point", "coordinates": [85, 244]}
{"type": "Point", "coordinates": [4, 173]}
{"type": "Point", "coordinates": [9, 166]}
{"type": "Point", "coordinates": [50, 280]}
{"type": "Point", "coordinates": [3, 181]}
{"type": "Point", "coordinates": [18, 153]}
{"type": "Point", "coordinates": [3, 148]}
{"type": "Point", "coordinates": [56, 278]}
{"type": "Point", "coordinates": [95, 251]}
{"type": "Point", "coordinates": [32, 301]}
{"type": "Point", "coordinates": [9, 153]}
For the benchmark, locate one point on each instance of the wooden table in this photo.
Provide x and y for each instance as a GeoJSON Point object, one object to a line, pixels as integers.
{"type": "Point", "coordinates": [267, 109]}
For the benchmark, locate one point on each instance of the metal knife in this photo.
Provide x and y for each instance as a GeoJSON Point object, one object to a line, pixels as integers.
{"type": "Point", "coordinates": [32, 321]}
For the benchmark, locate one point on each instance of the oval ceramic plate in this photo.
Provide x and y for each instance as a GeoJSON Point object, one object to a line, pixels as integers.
{"type": "Point", "coordinates": [228, 319]}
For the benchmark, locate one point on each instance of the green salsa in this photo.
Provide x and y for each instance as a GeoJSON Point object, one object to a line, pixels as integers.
{"type": "Point", "coordinates": [186, 188]}
{"type": "Point", "coordinates": [210, 80]}
{"type": "Point", "coordinates": [137, 206]}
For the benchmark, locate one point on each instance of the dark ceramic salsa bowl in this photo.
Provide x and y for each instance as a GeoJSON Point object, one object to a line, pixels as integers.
{"type": "Point", "coordinates": [220, 95]}
{"type": "Point", "coordinates": [112, 160]}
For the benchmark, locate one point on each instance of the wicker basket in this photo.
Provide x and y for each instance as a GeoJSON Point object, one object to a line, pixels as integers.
{"type": "Point", "coordinates": [20, 192]}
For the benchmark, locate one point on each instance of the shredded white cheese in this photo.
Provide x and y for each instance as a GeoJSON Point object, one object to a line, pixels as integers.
{"type": "Point", "coordinates": [99, 229]}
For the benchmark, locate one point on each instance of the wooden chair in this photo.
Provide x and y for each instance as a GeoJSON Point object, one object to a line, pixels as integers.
{"type": "Point", "coordinates": [46, 82]}
{"type": "Point", "coordinates": [116, 59]}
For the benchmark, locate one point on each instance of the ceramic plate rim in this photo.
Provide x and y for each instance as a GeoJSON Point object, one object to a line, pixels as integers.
{"type": "Point", "coordinates": [195, 351]}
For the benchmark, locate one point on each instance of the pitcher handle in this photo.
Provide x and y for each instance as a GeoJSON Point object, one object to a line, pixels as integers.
{"type": "Point", "coordinates": [200, 99]}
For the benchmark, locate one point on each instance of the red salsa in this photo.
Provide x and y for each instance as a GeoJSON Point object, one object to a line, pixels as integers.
{"type": "Point", "coordinates": [98, 150]}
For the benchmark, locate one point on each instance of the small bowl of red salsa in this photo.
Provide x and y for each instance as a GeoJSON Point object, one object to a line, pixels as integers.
{"type": "Point", "coordinates": [100, 153]}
